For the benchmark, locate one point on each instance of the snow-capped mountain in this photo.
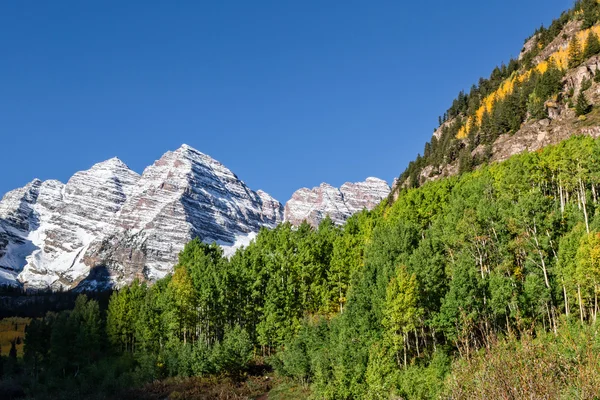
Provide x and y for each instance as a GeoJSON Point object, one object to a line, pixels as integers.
{"type": "Point", "coordinates": [109, 225]}
{"type": "Point", "coordinates": [313, 205]}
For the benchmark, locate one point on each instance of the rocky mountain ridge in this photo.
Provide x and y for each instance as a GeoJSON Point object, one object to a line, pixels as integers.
{"type": "Point", "coordinates": [109, 225]}
{"type": "Point", "coordinates": [558, 122]}
{"type": "Point", "coordinates": [313, 205]}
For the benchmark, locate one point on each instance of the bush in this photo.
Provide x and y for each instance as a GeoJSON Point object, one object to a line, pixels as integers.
{"type": "Point", "coordinates": [233, 352]}
{"type": "Point", "coordinates": [585, 85]}
{"type": "Point", "coordinates": [425, 382]}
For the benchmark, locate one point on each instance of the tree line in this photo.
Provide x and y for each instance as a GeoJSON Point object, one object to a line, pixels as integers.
{"type": "Point", "coordinates": [460, 136]}
{"type": "Point", "coordinates": [382, 304]}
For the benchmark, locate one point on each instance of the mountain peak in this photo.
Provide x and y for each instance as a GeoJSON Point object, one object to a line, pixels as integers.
{"type": "Point", "coordinates": [375, 180]}
{"type": "Point", "coordinates": [111, 163]}
{"type": "Point", "coordinates": [131, 225]}
{"type": "Point", "coordinates": [187, 149]}
{"type": "Point", "coordinates": [314, 204]}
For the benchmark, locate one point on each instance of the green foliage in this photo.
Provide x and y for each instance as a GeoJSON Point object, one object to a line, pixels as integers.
{"type": "Point", "coordinates": [590, 12]}
{"type": "Point", "coordinates": [582, 106]}
{"type": "Point", "coordinates": [535, 107]}
{"type": "Point", "coordinates": [575, 53]}
{"type": "Point", "coordinates": [401, 313]}
{"type": "Point", "coordinates": [233, 353]}
{"type": "Point", "coordinates": [375, 308]}
{"type": "Point", "coordinates": [425, 382]}
{"type": "Point", "coordinates": [380, 374]}
{"type": "Point", "coordinates": [592, 45]}
{"type": "Point", "coordinates": [585, 85]}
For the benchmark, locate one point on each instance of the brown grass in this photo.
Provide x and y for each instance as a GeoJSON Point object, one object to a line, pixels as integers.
{"type": "Point", "coordinates": [11, 329]}
{"type": "Point", "coordinates": [218, 388]}
{"type": "Point", "coordinates": [547, 367]}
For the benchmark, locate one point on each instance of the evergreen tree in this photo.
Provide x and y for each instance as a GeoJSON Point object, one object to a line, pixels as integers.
{"type": "Point", "coordinates": [582, 106]}
{"type": "Point", "coordinates": [535, 107]}
{"type": "Point", "coordinates": [549, 83]}
{"type": "Point", "coordinates": [592, 45]}
{"type": "Point", "coordinates": [575, 53]}
{"type": "Point", "coordinates": [589, 9]}
{"type": "Point", "coordinates": [12, 354]}
{"type": "Point", "coordinates": [465, 161]}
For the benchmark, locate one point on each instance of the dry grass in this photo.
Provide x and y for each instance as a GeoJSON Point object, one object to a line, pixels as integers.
{"type": "Point", "coordinates": [547, 367]}
{"type": "Point", "coordinates": [11, 329]}
{"type": "Point", "coordinates": [214, 388]}
{"type": "Point", "coordinates": [200, 388]}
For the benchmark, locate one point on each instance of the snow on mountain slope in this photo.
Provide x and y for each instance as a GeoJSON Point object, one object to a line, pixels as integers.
{"type": "Point", "coordinates": [109, 225]}
{"type": "Point", "coordinates": [185, 194]}
{"type": "Point", "coordinates": [313, 205]}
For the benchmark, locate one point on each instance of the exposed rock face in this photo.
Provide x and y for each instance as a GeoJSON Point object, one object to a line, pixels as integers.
{"type": "Point", "coordinates": [109, 225]}
{"type": "Point", "coordinates": [313, 205]}
{"type": "Point", "coordinates": [528, 46]}
{"type": "Point", "coordinates": [561, 40]}
{"type": "Point", "coordinates": [561, 123]}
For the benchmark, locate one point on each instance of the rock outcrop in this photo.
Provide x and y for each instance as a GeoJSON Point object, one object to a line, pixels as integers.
{"type": "Point", "coordinates": [109, 225]}
{"type": "Point", "coordinates": [313, 205]}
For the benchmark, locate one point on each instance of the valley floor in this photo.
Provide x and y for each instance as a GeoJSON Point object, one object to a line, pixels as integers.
{"type": "Point", "coordinates": [213, 388]}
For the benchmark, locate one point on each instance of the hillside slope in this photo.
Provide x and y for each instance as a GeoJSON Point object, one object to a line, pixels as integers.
{"type": "Point", "coordinates": [545, 96]}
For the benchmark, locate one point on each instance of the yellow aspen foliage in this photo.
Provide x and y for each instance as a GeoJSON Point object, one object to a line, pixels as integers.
{"type": "Point", "coordinates": [559, 57]}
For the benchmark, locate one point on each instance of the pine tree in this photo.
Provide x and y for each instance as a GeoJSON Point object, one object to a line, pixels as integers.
{"type": "Point", "coordinates": [582, 106]}
{"type": "Point", "coordinates": [592, 45]}
{"type": "Point", "coordinates": [12, 354]}
{"type": "Point", "coordinates": [589, 9]}
{"type": "Point", "coordinates": [535, 106]}
{"type": "Point", "coordinates": [575, 54]}
{"type": "Point", "coordinates": [465, 161]}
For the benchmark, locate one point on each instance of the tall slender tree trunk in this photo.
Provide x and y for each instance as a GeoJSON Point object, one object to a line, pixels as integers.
{"type": "Point", "coordinates": [562, 201]}
{"type": "Point", "coordinates": [417, 343]}
{"type": "Point", "coordinates": [537, 245]}
{"type": "Point", "coordinates": [405, 361]}
{"type": "Point", "coordinates": [583, 201]}
{"type": "Point", "coordinates": [595, 302]}
{"type": "Point", "coordinates": [566, 300]}
{"type": "Point", "coordinates": [580, 303]}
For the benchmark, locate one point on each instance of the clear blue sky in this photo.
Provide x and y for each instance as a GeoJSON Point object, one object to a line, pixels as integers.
{"type": "Point", "coordinates": [285, 93]}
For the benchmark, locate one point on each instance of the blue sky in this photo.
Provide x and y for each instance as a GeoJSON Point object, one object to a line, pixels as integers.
{"type": "Point", "coordinates": [285, 93]}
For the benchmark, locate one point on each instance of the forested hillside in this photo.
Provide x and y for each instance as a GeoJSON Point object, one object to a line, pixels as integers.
{"type": "Point", "coordinates": [483, 284]}
{"type": "Point", "coordinates": [555, 79]}
{"type": "Point", "coordinates": [382, 305]}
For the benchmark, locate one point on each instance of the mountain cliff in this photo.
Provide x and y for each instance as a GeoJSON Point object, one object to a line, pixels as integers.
{"type": "Point", "coordinates": [313, 205]}
{"type": "Point", "coordinates": [109, 225]}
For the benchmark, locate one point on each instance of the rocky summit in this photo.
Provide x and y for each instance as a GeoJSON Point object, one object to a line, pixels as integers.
{"type": "Point", "coordinates": [313, 205]}
{"type": "Point", "coordinates": [108, 225]}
